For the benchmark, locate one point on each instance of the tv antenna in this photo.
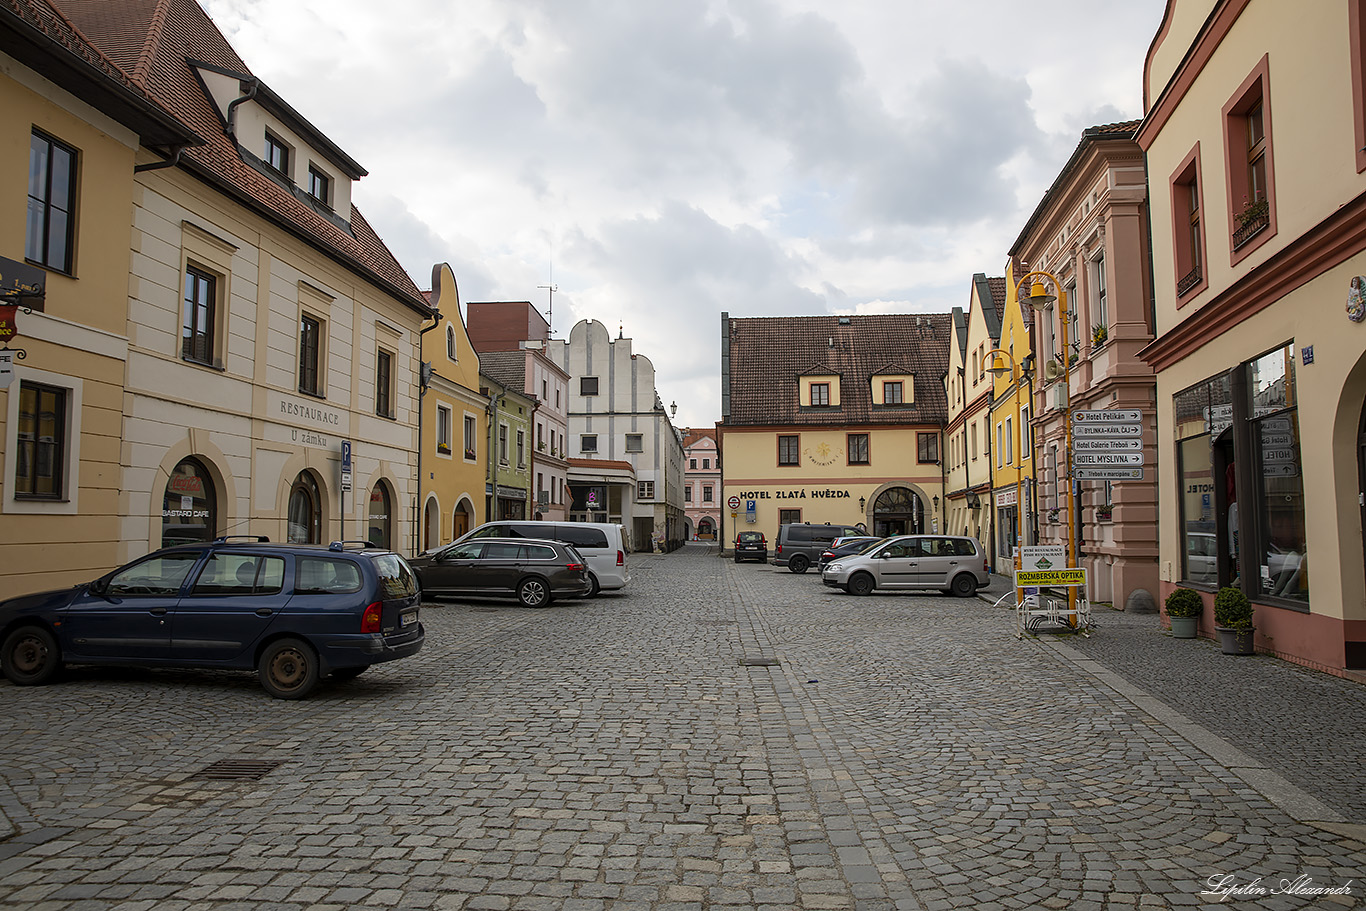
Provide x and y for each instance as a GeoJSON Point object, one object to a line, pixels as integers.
{"type": "Point", "coordinates": [550, 310]}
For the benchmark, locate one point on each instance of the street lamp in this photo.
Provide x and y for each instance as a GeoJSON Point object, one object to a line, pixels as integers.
{"type": "Point", "coordinates": [1041, 299]}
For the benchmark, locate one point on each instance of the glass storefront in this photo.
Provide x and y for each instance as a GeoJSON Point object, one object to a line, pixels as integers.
{"type": "Point", "coordinates": [189, 511]}
{"type": "Point", "coordinates": [380, 523]}
{"type": "Point", "coordinates": [305, 511]}
{"type": "Point", "coordinates": [1282, 552]}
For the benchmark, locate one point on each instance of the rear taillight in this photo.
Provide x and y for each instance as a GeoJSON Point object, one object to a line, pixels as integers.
{"type": "Point", "coordinates": [370, 620]}
{"type": "Point", "coordinates": [575, 567]}
{"type": "Point", "coordinates": [763, 540]}
{"type": "Point", "coordinates": [621, 559]}
{"type": "Point", "coordinates": [778, 549]}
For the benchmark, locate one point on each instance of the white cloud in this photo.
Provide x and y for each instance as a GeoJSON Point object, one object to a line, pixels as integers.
{"type": "Point", "coordinates": [663, 162]}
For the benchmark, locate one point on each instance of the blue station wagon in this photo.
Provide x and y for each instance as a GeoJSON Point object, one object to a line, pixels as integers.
{"type": "Point", "coordinates": [292, 613]}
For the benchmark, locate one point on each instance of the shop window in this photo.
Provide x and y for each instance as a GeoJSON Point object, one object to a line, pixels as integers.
{"type": "Point", "coordinates": [305, 511]}
{"type": "Point", "coordinates": [1251, 173]}
{"type": "Point", "coordinates": [381, 525]}
{"type": "Point", "coordinates": [189, 507]}
{"type": "Point", "coordinates": [1203, 418]}
{"type": "Point", "coordinates": [1282, 554]}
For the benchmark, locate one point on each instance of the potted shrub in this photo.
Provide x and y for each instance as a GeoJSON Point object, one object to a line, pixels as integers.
{"type": "Point", "coordinates": [1184, 607]}
{"type": "Point", "coordinates": [1099, 336]}
{"type": "Point", "coordinates": [1233, 621]}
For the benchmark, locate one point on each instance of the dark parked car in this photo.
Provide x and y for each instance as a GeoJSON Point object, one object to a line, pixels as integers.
{"type": "Point", "coordinates": [751, 545]}
{"type": "Point", "coordinates": [844, 547]}
{"type": "Point", "coordinates": [290, 612]}
{"type": "Point", "coordinates": [801, 544]}
{"type": "Point", "coordinates": [536, 571]}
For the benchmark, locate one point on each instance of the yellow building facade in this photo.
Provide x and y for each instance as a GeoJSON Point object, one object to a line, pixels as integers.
{"type": "Point", "coordinates": [1012, 474]}
{"type": "Point", "coordinates": [454, 422]}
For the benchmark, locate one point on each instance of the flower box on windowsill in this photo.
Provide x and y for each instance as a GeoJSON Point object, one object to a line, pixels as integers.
{"type": "Point", "coordinates": [443, 449]}
{"type": "Point", "coordinates": [1250, 229]}
{"type": "Point", "coordinates": [469, 453]}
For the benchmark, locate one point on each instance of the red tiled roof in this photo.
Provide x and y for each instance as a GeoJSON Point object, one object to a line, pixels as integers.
{"type": "Point", "coordinates": [692, 435]}
{"type": "Point", "coordinates": [151, 41]}
{"type": "Point", "coordinates": [998, 296]}
{"type": "Point", "coordinates": [768, 355]}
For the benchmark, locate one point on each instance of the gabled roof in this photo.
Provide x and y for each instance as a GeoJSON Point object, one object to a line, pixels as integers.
{"type": "Point", "coordinates": [993, 307]}
{"type": "Point", "coordinates": [506, 368]}
{"type": "Point", "coordinates": [47, 42]}
{"type": "Point", "coordinates": [960, 327]}
{"type": "Point", "coordinates": [768, 355]}
{"type": "Point", "coordinates": [892, 370]}
{"type": "Point", "coordinates": [693, 435]}
{"type": "Point", "coordinates": [819, 370]}
{"type": "Point", "coordinates": [153, 41]}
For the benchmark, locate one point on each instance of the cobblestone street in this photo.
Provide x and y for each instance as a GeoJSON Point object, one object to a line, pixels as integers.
{"type": "Point", "coordinates": [720, 736]}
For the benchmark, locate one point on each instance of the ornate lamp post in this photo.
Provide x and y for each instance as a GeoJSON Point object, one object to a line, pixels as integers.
{"type": "Point", "coordinates": [1040, 298]}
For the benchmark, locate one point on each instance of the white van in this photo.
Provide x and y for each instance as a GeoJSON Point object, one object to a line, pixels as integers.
{"type": "Point", "coordinates": [600, 543]}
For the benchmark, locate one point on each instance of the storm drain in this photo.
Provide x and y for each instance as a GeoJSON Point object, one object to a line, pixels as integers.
{"type": "Point", "coordinates": [759, 662]}
{"type": "Point", "coordinates": [237, 770]}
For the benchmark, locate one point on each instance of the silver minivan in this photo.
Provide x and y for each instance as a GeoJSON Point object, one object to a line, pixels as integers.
{"type": "Point", "coordinates": [600, 543]}
{"type": "Point", "coordinates": [941, 562]}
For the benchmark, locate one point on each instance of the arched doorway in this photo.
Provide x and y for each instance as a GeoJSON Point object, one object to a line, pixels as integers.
{"type": "Point", "coordinates": [431, 526]}
{"type": "Point", "coordinates": [706, 528]}
{"type": "Point", "coordinates": [462, 519]}
{"type": "Point", "coordinates": [898, 511]}
{"type": "Point", "coordinates": [305, 511]}
{"type": "Point", "coordinates": [381, 522]}
{"type": "Point", "coordinates": [189, 509]}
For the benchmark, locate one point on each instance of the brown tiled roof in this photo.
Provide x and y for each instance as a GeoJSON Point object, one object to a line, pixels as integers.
{"type": "Point", "coordinates": [998, 296]}
{"type": "Point", "coordinates": [506, 368]}
{"type": "Point", "coordinates": [692, 435]}
{"type": "Point", "coordinates": [767, 355]}
{"type": "Point", "coordinates": [152, 41]}
{"type": "Point", "coordinates": [42, 38]}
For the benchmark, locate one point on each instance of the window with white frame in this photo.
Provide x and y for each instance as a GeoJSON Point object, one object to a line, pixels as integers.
{"type": "Point", "coordinates": [502, 444]}
{"type": "Point", "coordinates": [645, 490]}
{"type": "Point", "coordinates": [521, 449]}
{"type": "Point", "coordinates": [443, 429]}
{"type": "Point", "coordinates": [1010, 441]}
{"type": "Point", "coordinates": [1099, 318]}
{"type": "Point", "coordinates": [588, 442]}
{"type": "Point", "coordinates": [635, 442]}
{"type": "Point", "coordinates": [470, 436]}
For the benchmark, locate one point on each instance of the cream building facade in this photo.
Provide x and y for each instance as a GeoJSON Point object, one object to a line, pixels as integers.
{"type": "Point", "coordinates": [273, 340]}
{"type": "Point", "coordinates": [969, 426]}
{"type": "Point", "coordinates": [1255, 135]}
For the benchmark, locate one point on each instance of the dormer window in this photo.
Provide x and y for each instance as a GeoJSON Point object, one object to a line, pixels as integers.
{"type": "Point", "coordinates": [277, 154]}
{"type": "Point", "coordinates": [820, 393]}
{"type": "Point", "coordinates": [892, 393]}
{"type": "Point", "coordinates": [319, 185]}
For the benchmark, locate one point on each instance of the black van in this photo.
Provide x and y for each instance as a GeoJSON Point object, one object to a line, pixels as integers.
{"type": "Point", "coordinates": [801, 544]}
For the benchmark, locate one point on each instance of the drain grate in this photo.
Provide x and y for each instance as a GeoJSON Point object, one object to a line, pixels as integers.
{"type": "Point", "coordinates": [759, 662]}
{"type": "Point", "coordinates": [237, 770]}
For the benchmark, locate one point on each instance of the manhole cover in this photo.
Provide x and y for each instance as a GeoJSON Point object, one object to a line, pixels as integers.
{"type": "Point", "coordinates": [759, 662]}
{"type": "Point", "coordinates": [237, 770]}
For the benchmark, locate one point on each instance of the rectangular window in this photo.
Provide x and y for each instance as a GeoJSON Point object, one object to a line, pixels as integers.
{"type": "Point", "coordinates": [788, 451]}
{"type": "Point", "coordinates": [645, 490]}
{"type": "Point", "coordinates": [1026, 440]}
{"type": "Point", "coordinates": [502, 444]}
{"type": "Point", "coordinates": [200, 316]}
{"type": "Point", "coordinates": [927, 447]}
{"type": "Point", "coordinates": [588, 442]}
{"type": "Point", "coordinates": [521, 449]}
{"type": "Point", "coordinates": [706, 464]}
{"type": "Point", "coordinates": [1281, 546]}
{"type": "Point", "coordinates": [973, 445]}
{"type": "Point", "coordinates": [318, 185]}
{"type": "Point", "coordinates": [443, 429]}
{"type": "Point", "coordinates": [51, 203]}
{"type": "Point", "coordinates": [40, 442]}
{"type": "Point", "coordinates": [1099, 311]}
{"type": "Point", "coordinates": [588, 385]}
{"type": "Point", "coordinates": [820, 393]}
{"type": "Point", "coordinates": [892, 393]}
{"type": "Point", "coordinates": [310, 352]}
{"type": "Point", "coordinates": [1201, 414]}
{"type": "Point", "coordinates": [706, 493]}
{"type": "Point", "coordinates": [687, 493]}
{"type": "Point", "coordinates": [277, 154]}
{"type": "Point", "coordinates": [1249, 156]}
{"type": "Point", "coordinates": [789, 516]}
{"type": "Point", "coordinates": [999, 448]}
{"type": "Point", "coordinates": [384, 384]}
{"type": "Point", "coordinates": [1010, 443]}
{"type": "Point", "coordinates": [692, 464]}
{"type": "Point", "coordinates": [858, 449]}
{"type": "Point", "coordinates": [469, 437]}
{"type": "Point", "coordinates": [635, 442]}
{"type": "Point", "coordinates": [1356, 28]}
{"type": "Point", "coordinates": [1188, 232]}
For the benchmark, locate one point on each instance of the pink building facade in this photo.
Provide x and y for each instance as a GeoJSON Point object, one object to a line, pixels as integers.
{"type": "Point", "coordinates": [701, 484]}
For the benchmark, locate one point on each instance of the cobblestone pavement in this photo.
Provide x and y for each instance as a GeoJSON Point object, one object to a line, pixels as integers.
{"type": "Point", "coordinates": [722, 736]}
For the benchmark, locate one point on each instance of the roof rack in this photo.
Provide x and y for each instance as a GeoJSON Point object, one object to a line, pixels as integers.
{"type": "Point", "coordinates": [359, 545]}
{"type": "Point", "coordinates": [249, 539]}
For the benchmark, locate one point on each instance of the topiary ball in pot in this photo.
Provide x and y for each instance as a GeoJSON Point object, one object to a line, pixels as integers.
{"type": "Point", "coordinates": [1185, 602]}
{"type": "Point", "coordinates": [1232, 610]}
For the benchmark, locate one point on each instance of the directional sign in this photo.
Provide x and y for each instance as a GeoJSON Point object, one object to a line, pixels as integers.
{"type": "Point", "coordinates": [1108, 474]}
{"type": "Point", "coordinates": [1036, 557]}
{"type": "Point", "coordinates": [1107, 430]}
{"type": "Point", "coordinates": [6, 367]}
{"type": "Point", "coordinates": [1107, 416]}
{"type": "Point", "coordinates": [1107, 458]}
{"type": "Point", "coordinates": [1103, 444]}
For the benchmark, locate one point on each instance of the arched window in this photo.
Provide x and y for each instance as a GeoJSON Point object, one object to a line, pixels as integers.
{"type": "Point", "coordinates": [450, 342]}
{"type": "Point", "coordinates": [381, 508]}
{"type": "Point", "coordinates": [189, 510]}
{"type": "Point", "coordinates": [305, 511]}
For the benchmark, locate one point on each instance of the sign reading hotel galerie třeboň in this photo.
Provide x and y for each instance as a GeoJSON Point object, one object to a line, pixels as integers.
{"type": "Point", "coordinates": [1107, 445]}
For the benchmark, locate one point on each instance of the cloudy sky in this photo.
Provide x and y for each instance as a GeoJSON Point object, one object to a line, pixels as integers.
{"type": "Point", "coordinates": [662, 162]}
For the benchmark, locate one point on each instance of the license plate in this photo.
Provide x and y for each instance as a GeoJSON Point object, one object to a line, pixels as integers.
{"type": "Point", "coordinates": [408, 618]}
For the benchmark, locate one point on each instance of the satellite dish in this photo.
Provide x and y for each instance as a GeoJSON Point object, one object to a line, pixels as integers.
{"type": "Point", "coordinates": [1052, 369]}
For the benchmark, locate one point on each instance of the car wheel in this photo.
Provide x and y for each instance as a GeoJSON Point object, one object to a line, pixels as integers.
{"type": "Point", "coordinates": [860, 584]}
{"type": "Point", "coordinates": [964, 585]}
{"type": "Point", "coordinates": [737, 558]}
{"type": "Point", "coordinates": [533, 593]}
{"type": "Point", "coordinates": [798, 564]}
{"type": "Point", "coordinates": [349, 673]}
{"type": "Point", "coordinates": [288, 669]}
{"type": "Point", "coordinates": [30, 656]}
{"type": "Point", "coordinates": [593, 581]}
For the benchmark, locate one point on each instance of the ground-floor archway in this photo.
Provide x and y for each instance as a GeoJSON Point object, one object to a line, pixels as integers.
{"type": "Point", "coordinates": [898, 511]}
{"type": "Point", "coordinates": [706, 528]}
